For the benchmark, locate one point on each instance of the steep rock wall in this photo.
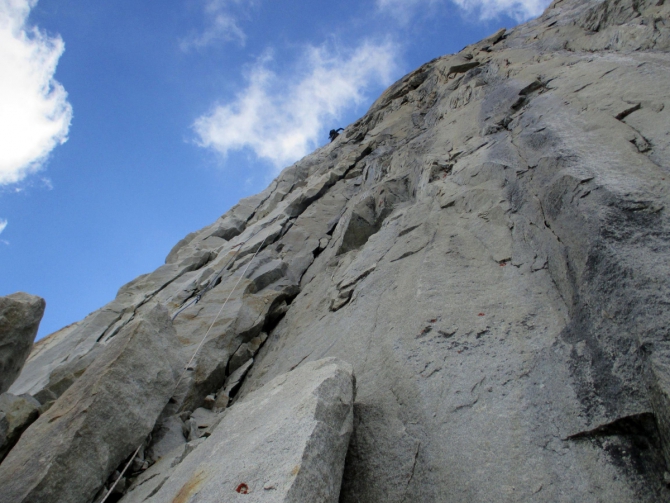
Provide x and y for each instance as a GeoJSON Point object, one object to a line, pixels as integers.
{"type": "Point", "coordinates": [487, 246]}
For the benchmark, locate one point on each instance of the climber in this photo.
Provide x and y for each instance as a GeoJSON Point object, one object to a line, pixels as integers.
{"type": "Point", "coordinates": [334, 133]}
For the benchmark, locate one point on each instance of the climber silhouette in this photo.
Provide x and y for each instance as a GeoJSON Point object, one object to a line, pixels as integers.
{"type": "Point", "coordinates": [334, 133]}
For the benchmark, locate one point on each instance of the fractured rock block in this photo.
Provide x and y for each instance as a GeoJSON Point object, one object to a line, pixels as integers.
{"type": "Point", "coordinates": [231, 385]}
{"type": "Point", "coordinates": [246, 352]}
{"type": "Point", "coordinates": [20, 316]}
{"type": "Point", "coordinates": [16, 414]}
{"type": "Point", "coordinates": [99, 420]}
{"type": "Point", "coordinates": [285, 442]}
{"type": "Point", "coordinates": [200, 422]}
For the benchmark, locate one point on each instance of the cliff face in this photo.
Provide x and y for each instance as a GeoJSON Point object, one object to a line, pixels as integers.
{"type": "Point", "coordinates": [487, 247]}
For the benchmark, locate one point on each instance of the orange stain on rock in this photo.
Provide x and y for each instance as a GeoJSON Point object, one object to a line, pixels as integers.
{"type": "Point", "coordinates": [190, 488]}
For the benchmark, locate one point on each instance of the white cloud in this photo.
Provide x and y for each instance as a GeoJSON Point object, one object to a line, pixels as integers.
{"type": "Point", "coordinates": [222, 25]}
{"type": "Point", "coordinates": [520, 10]}
{"type": "Point", "coordinates": [35, 115]}
{"type": "Point", "coordinates": [282, 118]}
{"type": "Point", "coordinates": [3, 224]}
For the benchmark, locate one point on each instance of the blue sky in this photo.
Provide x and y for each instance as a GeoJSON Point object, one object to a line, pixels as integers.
{"type": "Point", "coordinates": [126, 124]}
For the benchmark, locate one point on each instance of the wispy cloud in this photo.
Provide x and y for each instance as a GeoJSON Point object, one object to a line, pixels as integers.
{"type": "Point", "coordinates": [282, 117]}
{"type": "Point", "coordinates": [221, 25]}
{"type": "Point", "coordinates": [35, 115]}
{"type": "Point", "coordinates": [520, 10]}
{"type": "Point", "coordinates": [3, 225]}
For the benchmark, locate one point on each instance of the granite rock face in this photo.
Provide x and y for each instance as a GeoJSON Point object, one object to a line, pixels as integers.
{"type": "Point", "coordinates": [16, 414]}
{"type": "Point", "coordinates": [487, 247]}
{"type": "Point", "coordinates": [285, 442]}
{"type": "Point", "coordinates": [20, 316]}
{"type": "Point", "coordinates": [67, 454]}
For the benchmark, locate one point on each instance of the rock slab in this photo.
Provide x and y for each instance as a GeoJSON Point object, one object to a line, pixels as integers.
{"type": "Point", "coordinates": [286, 442]}
{"type": "Point", "coordinates": [70, 451]}
{"type": "Point", "coordinates": [20, 316]}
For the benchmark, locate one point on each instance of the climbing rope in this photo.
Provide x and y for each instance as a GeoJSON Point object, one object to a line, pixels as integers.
{"type": "Point", "coordinates": [211, 284]}
{"type": "Point", "coordinates": [188, 365]}
{"type": "Point", "coordinates": [121, 476]}
{"type": "Point", "coordinates": [218, 275]}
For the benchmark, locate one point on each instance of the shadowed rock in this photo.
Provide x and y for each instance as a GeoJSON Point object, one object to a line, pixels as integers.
{"type": "Point", "coordinates": [20, 316]}
{"type": "Point", "coordinates": [16, 414]}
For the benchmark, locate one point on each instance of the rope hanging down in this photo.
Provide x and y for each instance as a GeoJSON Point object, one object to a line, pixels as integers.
{"type": "Point", "coordinates": [214, 280]}
{"type": "Point", "coordinates": [121, 475]}
{"type": "Point", "coordinates": [211, 284]}
{"type": "Point", "coordinates": [188, 365]}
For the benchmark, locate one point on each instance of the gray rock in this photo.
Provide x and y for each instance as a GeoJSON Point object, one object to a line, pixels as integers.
{"type": "Point", "coordinates": [151, 480]}
{"type": "Point", "coordinates": [228, 228]}
{"type": "Point", "coordinates": [67, 454]}
{"type": "Point", "coordinates": [66, 374]}
{"type": "Point", "coordinates": [166, 437]}
{"type": "Point", "coordinates": [57, 360]}
{"type": "Point", "coordinates": [209, 402]}
{"type": "Point", "coordinates": [246, 352]}
{"type": "Point", "coordinates": [174, 253]}
{"type": "Point", "coordinates": [285, 442]}
{"type": "Point", "coordinates": [200, 423]}
{"type": "Point", "coordinates": [487, 247]}
{"type": "Point", "coordinates": [267, 274]}
{"type": "Point", "coordinates": [16, 414]}
{"type": "Point", "coordinates": [222, 400]}
{"type": "Point", "coordinates": [495, 346]}
{"type": "Point", "coordinates": [240, 357]}
{"type": "Point", "coordinates": [232, 384]}
{"type": "Point", "coordinates": [20, 316]}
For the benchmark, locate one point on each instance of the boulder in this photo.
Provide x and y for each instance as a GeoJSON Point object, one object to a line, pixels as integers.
{"type": "Point", "coordinates": [20, 316]}
{"type": "Point", "coordinates": [71, 450]}
{"type": "Point", "coordinates": [286, 442]}
{"type": "Point", "coordinates": [16, 414]}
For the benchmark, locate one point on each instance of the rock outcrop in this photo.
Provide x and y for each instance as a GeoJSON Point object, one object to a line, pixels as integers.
{"type": "Point", "coordinates": [285, 442]}
{"type": "Point", "coordinates": [20, 316]}
{"type": "Point", "coordinates": [487, 248]}
{"type": "Point", "coordinates": [74, 447]}
{"type": "Point", "coordinates": [16, 414]}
